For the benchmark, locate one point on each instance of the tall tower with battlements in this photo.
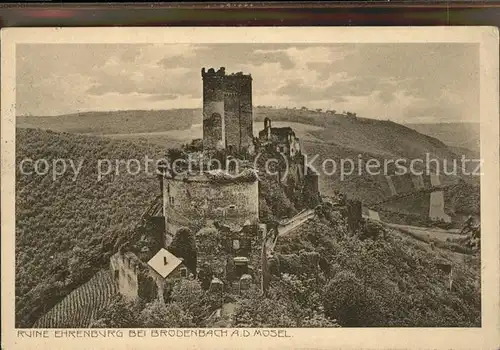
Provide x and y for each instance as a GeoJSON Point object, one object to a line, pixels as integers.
{"type": "Point", "coordinates": [227, 110]}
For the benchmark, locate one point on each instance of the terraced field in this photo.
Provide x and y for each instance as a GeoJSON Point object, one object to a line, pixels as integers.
{"type": "Point", "coordinates": [81, 305]}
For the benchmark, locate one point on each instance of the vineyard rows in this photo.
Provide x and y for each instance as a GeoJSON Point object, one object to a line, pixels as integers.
{"type": "Point", "coordinates": [79, 308]}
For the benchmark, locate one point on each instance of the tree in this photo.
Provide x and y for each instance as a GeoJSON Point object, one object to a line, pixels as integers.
{"type": "Point", "coordinates": [266, 276]}
{"type": "Point", "coordinates": [158, 315]}
{"type": "Point", "coordinates": [258, 311]}
{"type": "Point", "coordinates": [184, 246]}
{"type": "Point", "coordinates": [174, 154]}
{"type": "Point", "coordinates": [192, 299]}
{"type": "Point", "coordinates": [119, 314]}
{"type": "Point", "coordinates": [345, 299]}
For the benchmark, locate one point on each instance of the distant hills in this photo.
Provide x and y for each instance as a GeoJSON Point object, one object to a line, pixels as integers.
{"type": "Point", "coordinates": [380, 137]}
{"type": "Point", "coordinates": [461, 135]}
{"type": "Point", "coordinates": [113, 122]}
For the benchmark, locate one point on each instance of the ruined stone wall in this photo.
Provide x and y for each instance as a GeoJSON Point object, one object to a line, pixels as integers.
{"type": "Point", "coordinates": [294, 146]}
{"type": "Point", "coordinates": [436, 207]}
{"type": "Point", "coordinates": [196, 203]}
{"type": "Point", "coordinates": [124, 269]}
{"type": "Point", "coordinates": [213, 109]}
{"type": "Point", "coordinates": [129, 273]}
{"type": "Point", "coordinates": [213, 132]}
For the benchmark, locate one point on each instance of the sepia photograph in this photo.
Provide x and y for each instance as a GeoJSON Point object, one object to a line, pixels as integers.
{"type": "Point", "coordinates": [255, 185]}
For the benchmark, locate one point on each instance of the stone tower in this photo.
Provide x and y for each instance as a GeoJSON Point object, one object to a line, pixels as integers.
{"type": "Point", "coordinates": [227, 110]}
{"type": "Point", "coordinates": [213, 109]}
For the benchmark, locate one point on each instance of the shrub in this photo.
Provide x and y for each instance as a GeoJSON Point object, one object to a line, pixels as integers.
{"type": "Point", "coordinates": [346, 299]}
{"type": "Point", "coordinates": [192, 299]}
{"type": "Point", "coordinates": [119, 314]}
{"type": "Point", "coordinates": [257, 311]}
{"type": "Point", "coordinates": [184, 246]}
{"type": "Point", "coordinates": [158, 315]}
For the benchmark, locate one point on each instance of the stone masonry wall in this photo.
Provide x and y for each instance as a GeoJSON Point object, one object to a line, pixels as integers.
{"type": "Point", "coordinates": [195, 204]}
{"type": "Point", "coordinates": [232, 112]}
{"type": "Point", "coordinates": [125, 269]}
{"type": "Point", "coordinates": [125, 275]}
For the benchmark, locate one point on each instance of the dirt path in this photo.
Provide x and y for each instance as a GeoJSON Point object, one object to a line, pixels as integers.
{"type": "Point", "coordinates": [295, 222]}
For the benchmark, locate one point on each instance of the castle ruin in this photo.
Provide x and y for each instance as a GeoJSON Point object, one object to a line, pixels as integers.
{"type": "Point", "coordinates": [204, 198]}
{"type": "Point", "coordinates": [227, 110]}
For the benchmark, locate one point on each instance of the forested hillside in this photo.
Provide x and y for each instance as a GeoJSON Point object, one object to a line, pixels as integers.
{"type": "Point", "coordinates": [61, 224]}
{"type": "Point", "coordinates": [388, 280]}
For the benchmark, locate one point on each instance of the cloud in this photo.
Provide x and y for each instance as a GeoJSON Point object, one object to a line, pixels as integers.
{"type": "Point", "coordinates": [260, 57]}
{"type": "Point", "coordinates": [229, 55]}
{"type": "Point", "coordinates": [298, 89]}
{"type": "Point", "coordinates": [163, 97]}
{"type": "Point", "coordinates": [149, 80]}
{"type": "Point", "coordinates": [398, 81]}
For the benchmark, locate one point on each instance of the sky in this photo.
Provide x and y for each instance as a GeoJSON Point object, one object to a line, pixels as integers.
{"type": "Point", "coordinates": [407, 83]}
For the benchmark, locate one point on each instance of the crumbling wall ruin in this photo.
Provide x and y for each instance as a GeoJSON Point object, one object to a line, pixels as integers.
{"type": "Point", "coordinates": [124, 267]}
{"type": "Point", "coordinates": [196, 201]}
